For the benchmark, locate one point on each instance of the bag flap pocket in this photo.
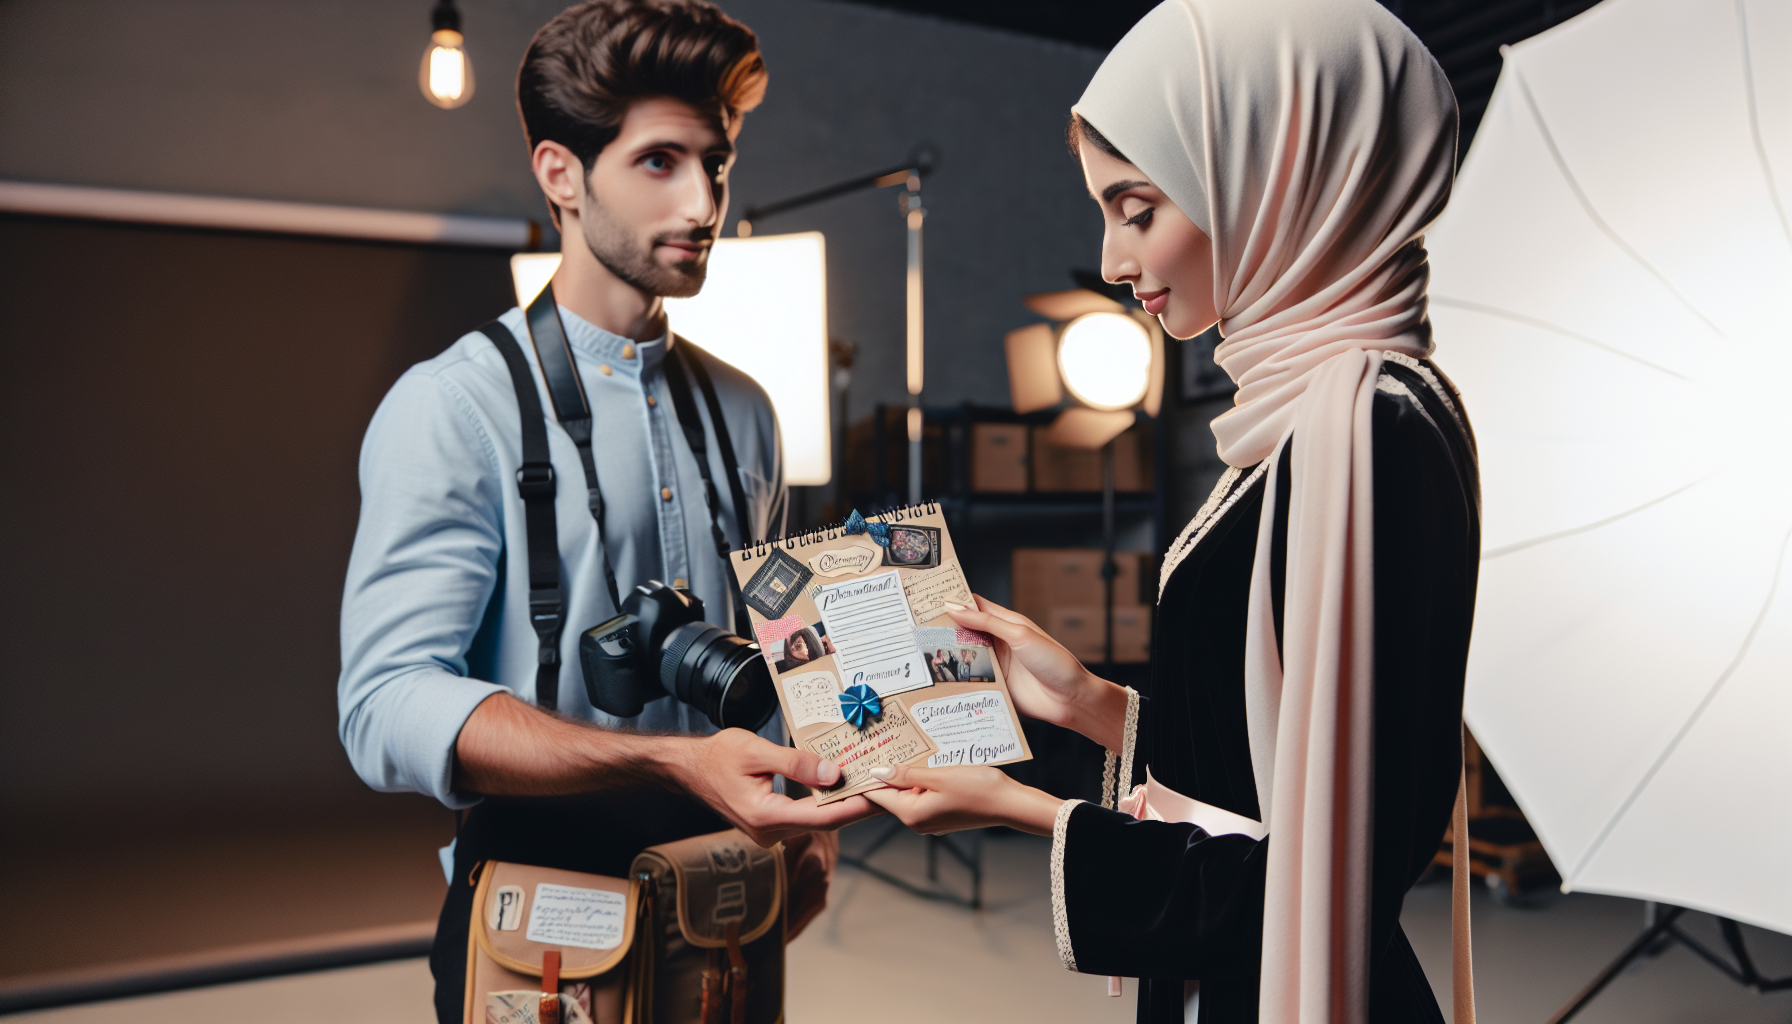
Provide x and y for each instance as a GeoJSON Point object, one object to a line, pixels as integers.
{"type": "Point", "coordinates": [521, 912]}
{"type": "Point", "coordinates": [723, 878]}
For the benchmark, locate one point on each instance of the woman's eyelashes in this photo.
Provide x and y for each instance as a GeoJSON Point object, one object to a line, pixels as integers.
{"type": "Point", "coordinates": [1139, 219]}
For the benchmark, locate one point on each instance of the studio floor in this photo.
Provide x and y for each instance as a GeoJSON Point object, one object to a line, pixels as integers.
{"type": "Point", "coordinates": [932, 960]}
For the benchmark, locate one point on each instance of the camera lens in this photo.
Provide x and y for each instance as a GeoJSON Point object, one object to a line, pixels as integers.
{"type": "Point", "coordinates": [719, 674]}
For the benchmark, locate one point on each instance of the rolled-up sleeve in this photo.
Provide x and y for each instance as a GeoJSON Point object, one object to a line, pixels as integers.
{"type": "Point", "coordinates": [424, 567]}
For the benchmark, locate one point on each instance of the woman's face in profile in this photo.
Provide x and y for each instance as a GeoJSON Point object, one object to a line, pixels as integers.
{"type": "Point", "coordinates": [798, 649]}
{"type": "Point", "coordinates": [1149, 244]}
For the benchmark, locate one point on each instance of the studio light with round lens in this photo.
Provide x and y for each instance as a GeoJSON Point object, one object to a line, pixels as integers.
{"type": "Point", "coordinates": [1105, 360]}
{"type": "Point", "coordinates": [446, 75]}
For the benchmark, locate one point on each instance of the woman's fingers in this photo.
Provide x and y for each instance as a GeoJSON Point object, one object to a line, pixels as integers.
{"type": "Point", "coordinates": [1015, 634]}
{"type": "Point", "coordinates": [1000, 612]}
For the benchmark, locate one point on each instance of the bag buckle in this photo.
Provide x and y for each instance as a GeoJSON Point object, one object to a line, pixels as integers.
{"type": "Point", "coordinates": [535, 480]}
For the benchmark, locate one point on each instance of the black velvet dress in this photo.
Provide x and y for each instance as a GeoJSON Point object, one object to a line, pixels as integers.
{"type": "Point", "coordinates": [1166, 902]}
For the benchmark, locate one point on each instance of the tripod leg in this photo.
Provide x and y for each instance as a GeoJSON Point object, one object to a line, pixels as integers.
{"type": "Point", "coordinates": [1664, 920]}
{"type": "Point", "coordinates": [1749, 975]}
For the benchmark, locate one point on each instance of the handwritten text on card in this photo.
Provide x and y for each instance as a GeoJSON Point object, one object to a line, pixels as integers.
{"type": "Point", "coordinates": [813, 697]}
{"type": "Point", "coordinates": [970, 728]}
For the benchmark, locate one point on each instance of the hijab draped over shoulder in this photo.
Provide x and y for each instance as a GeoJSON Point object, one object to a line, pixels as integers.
{"type": "Point", "coordinates": [1313, 141]}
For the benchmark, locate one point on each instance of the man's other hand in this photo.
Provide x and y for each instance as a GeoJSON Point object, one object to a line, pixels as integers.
{"type": "Point", "coordinates": [732, 772]}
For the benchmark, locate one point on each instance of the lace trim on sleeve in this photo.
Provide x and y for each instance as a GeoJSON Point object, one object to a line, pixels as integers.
{"type": "Point", "coordinates": [1114, 786]}
{"type": "Point", "coordinates": [1060, 917]}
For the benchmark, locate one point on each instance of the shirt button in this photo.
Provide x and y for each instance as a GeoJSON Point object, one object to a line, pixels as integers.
{"type": "Point", "coordinates": [604, 369]}
{"type": "Point", "coordinates": [665, 494]}
{"type": "Point", "coordinates": [628, 351]}
{"type": "Point", "coordinates": [652, 401]}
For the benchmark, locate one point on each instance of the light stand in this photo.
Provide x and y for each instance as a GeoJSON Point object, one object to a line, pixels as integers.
{"type": "Point", "coordinates": [922, 160]}
{"type": "Point", "coordinates": [1661, 928]}
{"type": "Point", "coordinates": [1108, 569]}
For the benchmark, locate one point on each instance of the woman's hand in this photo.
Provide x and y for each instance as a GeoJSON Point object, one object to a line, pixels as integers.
{"type": "Point", "coordinates": [939, 800]}
{"type": "Point", "coordinates": [1047, 681]}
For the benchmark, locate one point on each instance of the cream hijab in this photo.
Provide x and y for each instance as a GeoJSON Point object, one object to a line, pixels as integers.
{"type": "Point", "coordinates": [1313, 141]}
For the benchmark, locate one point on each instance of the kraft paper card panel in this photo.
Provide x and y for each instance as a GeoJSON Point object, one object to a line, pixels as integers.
{"type": "Point", "coordinates": [830, 609]}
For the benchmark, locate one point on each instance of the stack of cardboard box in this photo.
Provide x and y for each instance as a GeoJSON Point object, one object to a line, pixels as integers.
{"type": "Point", "coordinates": [1061, 590]}
{"type": "Point", "coordinates": [1014, 458]}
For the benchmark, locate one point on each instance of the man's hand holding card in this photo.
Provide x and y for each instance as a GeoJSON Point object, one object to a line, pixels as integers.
{"type": "Point", "coordinates": [871, 670]}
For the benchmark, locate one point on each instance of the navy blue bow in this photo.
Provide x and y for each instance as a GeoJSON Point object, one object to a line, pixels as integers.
{"type": "Point", "coordinates": [860, 704]}
{"type": "Point", "coordinates": [879, 532]}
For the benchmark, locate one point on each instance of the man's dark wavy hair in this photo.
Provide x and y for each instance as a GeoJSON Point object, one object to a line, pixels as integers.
{"type": "Point", "coordinates": [586, 66]}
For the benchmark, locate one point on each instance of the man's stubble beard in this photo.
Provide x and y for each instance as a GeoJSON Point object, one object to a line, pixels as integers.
{"type": "Point", "coordinates": [614, 246]}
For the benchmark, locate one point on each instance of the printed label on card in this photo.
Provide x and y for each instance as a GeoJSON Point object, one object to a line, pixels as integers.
{"type": "Point", "coordinates": [970, 728]}
{"type": "Point", "coordinates": [565, 915]}
{"type": "Point", "coordinates": [847, 561]}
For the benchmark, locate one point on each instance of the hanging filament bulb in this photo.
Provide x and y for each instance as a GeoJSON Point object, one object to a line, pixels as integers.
{"type": "Point", "coordinates": [446, 75]}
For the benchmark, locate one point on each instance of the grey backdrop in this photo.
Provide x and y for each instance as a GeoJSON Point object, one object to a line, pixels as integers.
{"type": "Point", "coordinates": [176, 696]}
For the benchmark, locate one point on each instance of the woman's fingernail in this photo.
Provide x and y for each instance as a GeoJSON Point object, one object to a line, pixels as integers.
{"type": "Point", "coordinates": [827, 769]}
{"type": "Point", "coordinates": [957, 607]}
{"type": "Point", "coordinates": [883, 773]}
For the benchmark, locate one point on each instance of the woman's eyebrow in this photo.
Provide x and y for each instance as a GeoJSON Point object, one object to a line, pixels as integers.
{"type": "Point", "coordinates": [1108, 194]}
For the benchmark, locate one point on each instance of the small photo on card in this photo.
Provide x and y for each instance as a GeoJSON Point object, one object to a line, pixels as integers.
{"type": "Point", "coordinates": [798, 648]}
{"type": "Point", "coordinates": [960, 664]}
{"type": "Point", "coordinates": [775, 587]}
{"type": "Point", "coordinates": [913, 547]}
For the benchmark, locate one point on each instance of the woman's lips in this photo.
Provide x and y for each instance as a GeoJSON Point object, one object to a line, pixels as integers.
{"type": "Point", "coordinates": [1154, 301]}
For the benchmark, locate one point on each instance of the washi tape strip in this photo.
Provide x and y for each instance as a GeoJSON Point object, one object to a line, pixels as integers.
{"type": "Point", "coordinates": [777, 629]}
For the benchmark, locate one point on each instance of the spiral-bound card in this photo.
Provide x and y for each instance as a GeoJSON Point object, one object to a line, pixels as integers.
{"type": "Point", "coordinates": [870, 669]}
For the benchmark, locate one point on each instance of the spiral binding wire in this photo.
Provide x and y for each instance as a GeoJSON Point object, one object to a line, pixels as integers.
{"type": "Point", "coordinates": [895, 514]}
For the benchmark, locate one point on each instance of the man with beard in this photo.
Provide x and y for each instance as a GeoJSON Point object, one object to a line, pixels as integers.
{"type": "Point", "coordinates": [631, 109]}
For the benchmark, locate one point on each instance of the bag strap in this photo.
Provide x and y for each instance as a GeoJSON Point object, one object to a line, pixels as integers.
{"type": "Point", "coordinates": [683, 358]}
{"type": "Point", "coordinates": [535, 481]}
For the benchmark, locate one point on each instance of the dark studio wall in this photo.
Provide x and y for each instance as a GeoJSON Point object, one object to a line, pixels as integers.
{"type": "Point", "coordinates": [183, 408]}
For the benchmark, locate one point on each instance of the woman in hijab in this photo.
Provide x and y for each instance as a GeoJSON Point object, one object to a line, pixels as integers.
{"type": "Point", "coordinates": [1272, 166]}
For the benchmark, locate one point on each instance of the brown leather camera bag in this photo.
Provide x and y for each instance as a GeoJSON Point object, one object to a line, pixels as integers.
{"type": "Point", "coordinates": [695, 935]}
{"type": "Point", "coordinates": [709, 943]}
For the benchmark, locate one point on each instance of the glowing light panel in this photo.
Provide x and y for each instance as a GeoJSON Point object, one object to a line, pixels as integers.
{"type": "Point", "coordinates": [763, 310]}
{"type": "Point", "coordinates": [1105, 359]}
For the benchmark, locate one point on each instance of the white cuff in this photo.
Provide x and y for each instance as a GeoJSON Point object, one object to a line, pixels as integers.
{"type": "Point", "coordinates": [1060, 918]}
{"type": "Point", "coordinates": [1116, 770]}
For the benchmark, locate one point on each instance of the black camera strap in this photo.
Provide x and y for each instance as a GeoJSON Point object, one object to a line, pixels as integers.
{"type": "Point", "coordinates": [537, 484]}
{"type": "Point", "coordinates": [554, 354]}
{"type": "Point", "coordinates": [535, 481]}
{"type": "Point", "coordinates": [683, 356]}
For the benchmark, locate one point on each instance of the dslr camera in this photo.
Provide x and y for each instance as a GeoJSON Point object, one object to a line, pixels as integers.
{"type": "Point", "coordinates": [661, 647]}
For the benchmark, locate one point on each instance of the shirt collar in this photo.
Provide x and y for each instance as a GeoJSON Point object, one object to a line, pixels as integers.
{"type": "Point", "coordinates": [591, 340]}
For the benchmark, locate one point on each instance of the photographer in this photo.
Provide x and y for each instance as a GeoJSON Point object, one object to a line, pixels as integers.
{"type": "Point", "coordinates": [631, 108]}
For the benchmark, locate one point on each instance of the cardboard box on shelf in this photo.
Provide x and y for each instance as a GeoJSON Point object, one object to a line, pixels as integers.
{"type": "Point", "coordinates": [1080, 628]}
{"type": "Point", "coordinates": [1077, 469]}
{"type": "Point", "coordinates": [1047, 578]}
{"type": "Point", "coordinates": [999, 457]}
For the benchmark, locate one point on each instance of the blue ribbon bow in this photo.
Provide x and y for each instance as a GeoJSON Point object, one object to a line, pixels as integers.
{"type": "Point", "coordinates": [860, 704]}
{"type": "Point", "coordinates": [879, 532]}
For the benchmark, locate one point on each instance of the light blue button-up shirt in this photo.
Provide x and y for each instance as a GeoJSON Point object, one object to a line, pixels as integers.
{"type": "Point", "coordinates": [435, 610]}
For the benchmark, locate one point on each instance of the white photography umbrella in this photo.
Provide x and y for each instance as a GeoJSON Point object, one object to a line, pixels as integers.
{"type": "Point", "coordinates": [1612, 292]}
